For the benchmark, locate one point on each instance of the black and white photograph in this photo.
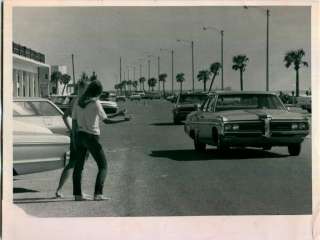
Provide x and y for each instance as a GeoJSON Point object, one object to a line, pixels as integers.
{"type": "Point", "coordinates": [166, 111]}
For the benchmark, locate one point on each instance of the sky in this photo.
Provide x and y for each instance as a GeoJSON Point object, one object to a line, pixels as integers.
{"type": "Point", "coordinates": [99, 36]}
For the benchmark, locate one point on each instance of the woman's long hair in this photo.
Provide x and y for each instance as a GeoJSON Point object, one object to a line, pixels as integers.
{"type": "Point", "coordinates": [93, 90]}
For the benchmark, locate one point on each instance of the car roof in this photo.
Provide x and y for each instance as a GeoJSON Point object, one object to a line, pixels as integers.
{"type": "Point", "coordinates": [29, 99]}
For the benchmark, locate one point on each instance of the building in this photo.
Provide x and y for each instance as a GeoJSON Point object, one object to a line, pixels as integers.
{"type": "Point", "coordinates": [30, 73]}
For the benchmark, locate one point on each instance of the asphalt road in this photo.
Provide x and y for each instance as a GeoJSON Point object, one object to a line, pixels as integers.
{"type": "Point", "coordinates": [154, 171]}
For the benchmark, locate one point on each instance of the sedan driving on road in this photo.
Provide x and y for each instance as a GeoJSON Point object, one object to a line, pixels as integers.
{"type": "Point", "coordinates": [254, 119]}
{"type": "Point", "coordinates": [185, 104]}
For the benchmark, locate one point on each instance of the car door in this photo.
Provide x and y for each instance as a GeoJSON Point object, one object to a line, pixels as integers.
{"type": "Point", "coordinates": [204, 119]}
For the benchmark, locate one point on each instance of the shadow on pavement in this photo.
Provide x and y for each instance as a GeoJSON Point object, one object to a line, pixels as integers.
{"type": "Point", "coordinates": [41, 200]}
{"type": "Point", "coordinates": [213, 154]}
{"type": "Point", "coordinates": [23, 190]}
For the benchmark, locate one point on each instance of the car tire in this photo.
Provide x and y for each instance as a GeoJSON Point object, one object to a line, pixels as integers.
{"type": "Point", "coordinates": [294, 149]}
{"type": "Point", "coordinates": [199, 146]}
{"type": "Point", "coordinates": [176, 121]}
{"type": "Point", "coordinates": [221, 147]}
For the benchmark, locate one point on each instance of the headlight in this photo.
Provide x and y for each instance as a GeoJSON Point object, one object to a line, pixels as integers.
{"type": "Point", "coordinates": [294, 126]}
{"type": "Point", "coordinates": [231, 127]}
{"type": "Point", "coordinates": [235, 127]}
{"type": "Point", "coordinates": [227, 127]}
{"type": "Point", "coordinates": [302, 126]}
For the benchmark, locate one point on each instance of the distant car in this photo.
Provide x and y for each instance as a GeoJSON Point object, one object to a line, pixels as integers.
{"type": "Point", "coordinates": [185, 104]}
{"type": "Point", "coordinates": [120, 98]}
{"type": "Point", "coordinates": [41, 112]}
{"type": "Point", "coordinates": [37, 149]}
{"type": "Point", "coordinates": [304, 102]}
{"type": "Point", "coordinates": [109, 106]}
{"type": "Point", "coordinates": [135, 97]}
{"type": "Point", "coordinates": [171, 98]}
{"type": "Point", "coordinates": [63, 102]}
{"type": "Point", "coordinates": [253, 119]}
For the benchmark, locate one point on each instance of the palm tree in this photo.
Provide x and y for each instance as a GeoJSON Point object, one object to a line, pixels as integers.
{"type": "Point", "coordinates": [214, 70]}
{"type": "Point", "coordinates": [55, 78]}
{"type": "Point", "coordinates": [152, 83]}
{"type": "Point", "coordinates": [203, 75]}
{"type": "Point", "coordinates": [93, 76]}
{"type": "Point", "coordinates": [141, 81]}
{"type": "Point", "coordinates": [135, 84]}
{"type": "Point", "coordinates": [180, 79]}
{"type": "Point", "coordinates": [295, 58]}
{"type": "Point", "coordinates": [65, 79]}
{"type": "Point", "coordinates": [240, 63]}
{"type": "Point", "coordinates": [162, 78]}
{"type": "Point", "coordinates": [129, 84]}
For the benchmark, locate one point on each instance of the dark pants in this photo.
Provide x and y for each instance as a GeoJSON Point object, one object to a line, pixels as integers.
{"type": "Point", "coordinates": [88, 142]}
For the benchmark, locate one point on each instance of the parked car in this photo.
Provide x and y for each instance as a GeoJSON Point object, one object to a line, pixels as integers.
{"type": "Point", "coordinates": [304, 102]}
{"type": "Point", "coordinates": [37, 149]}
{"type": "Point", "coordinates": [121, 98]}
{"type": "Point", "coordinates": [135, 97]}
{"type": "Point", "coordinates": [109, 106]}
{"type": "Point", "coordinates": [63, 102]}
{"type": "Point", "coordinates": [254, 119]}
{"type": "Point", "coordinates": [41, 112]}
{"type": "Point", "coordinates": [185, 104]}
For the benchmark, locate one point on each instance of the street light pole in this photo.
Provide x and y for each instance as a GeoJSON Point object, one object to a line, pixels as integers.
{"type": "Point", "coordinates": [159, 72]}
{"type": "Point", "coordinates": [120, 69]}
{"type": "Point", "coordinates": [172, 70]}
{"type": "Point", "coordinates": [192, 59]}
{"type": "Point", "coordinates": [222, 59]}
{"type": "Point", "coordinates": [267, 43]}
{"type": "Point", "coordinates": [192, 66]}
{"type": "Point", "coordinates": [267, 60]}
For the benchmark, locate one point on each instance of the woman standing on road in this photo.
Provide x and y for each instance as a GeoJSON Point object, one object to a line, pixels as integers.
{"type": "Point", "coordinates": [69, 167]}
{"type": "Point", "coordinates": [87, 112]}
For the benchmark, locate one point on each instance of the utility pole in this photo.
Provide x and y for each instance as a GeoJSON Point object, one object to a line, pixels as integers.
{"type": "Point", "coordinates": [120, 69]}
{"type": "Point", "coordinates": [74, 79]}
{"type": "Point", "coordinates": [159, 72]}
{"type": "Point", "coordinates": [267, 57]}
{"type": "Point", "coordinates": [222, 59]}
{"type": "Point", "coordinates": [172, 74]}
{"type": "Point", "coordinates": [192, 66]}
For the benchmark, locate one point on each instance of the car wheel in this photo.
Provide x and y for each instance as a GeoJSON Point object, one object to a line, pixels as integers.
{"type": "Point", "coordinates": [294, 149]}
{"type": "Point", "coordinates": [199, 146]}
{"type": "Point", "coordinates": [175, 120]}
{"type": "Point", "coordinates": [221, 146]}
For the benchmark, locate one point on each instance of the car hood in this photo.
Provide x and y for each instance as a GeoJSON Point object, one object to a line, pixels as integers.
{"type": "Point", "coordinates": [186, 106]}
{"type": "Point", "coordinates": [108, 103]}
{"type": "Point", "coordinates": [257, 114]}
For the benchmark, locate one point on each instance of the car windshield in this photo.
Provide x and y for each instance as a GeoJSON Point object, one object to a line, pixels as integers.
{"type": "Point", "coordinates": [185, 99]}
{"type": "Point", "coordinates": [247, 101]}
{"type": "Point", "coordinates": [34, 108]}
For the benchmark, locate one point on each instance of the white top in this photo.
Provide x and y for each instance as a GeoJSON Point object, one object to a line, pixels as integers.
{"type": "Point", "coordinates": [88, 118]}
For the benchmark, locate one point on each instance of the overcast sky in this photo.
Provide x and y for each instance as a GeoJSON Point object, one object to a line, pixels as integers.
{"type": "Point", "coordinates": [98, 36]}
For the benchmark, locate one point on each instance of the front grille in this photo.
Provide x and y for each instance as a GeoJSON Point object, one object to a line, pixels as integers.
{"type": "Point", "coordinates": [186, 109]}
{"type": "Point", "coordinates": [254, 126]}
{"type": "Point", "coordinates": [280, 126]}
{"type": "Point", "coordinates": [110, 110]}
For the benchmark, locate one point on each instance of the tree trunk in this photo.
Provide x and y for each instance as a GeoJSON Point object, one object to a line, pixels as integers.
{"type": "Point", "coordinates": [64, 88]}
{"type": "Point", "coordinates": [164, 93]}
{"type": "Point", "coordinates": [212, 80]}
{"type": "Point", "coordinates": [297, 83]}
{"type": "Point", "coordinates": [241, 80]}
{"type": "Point", "coordinates": [180, 87]}
{"type": "Point", "coordinates": [204, 85]}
